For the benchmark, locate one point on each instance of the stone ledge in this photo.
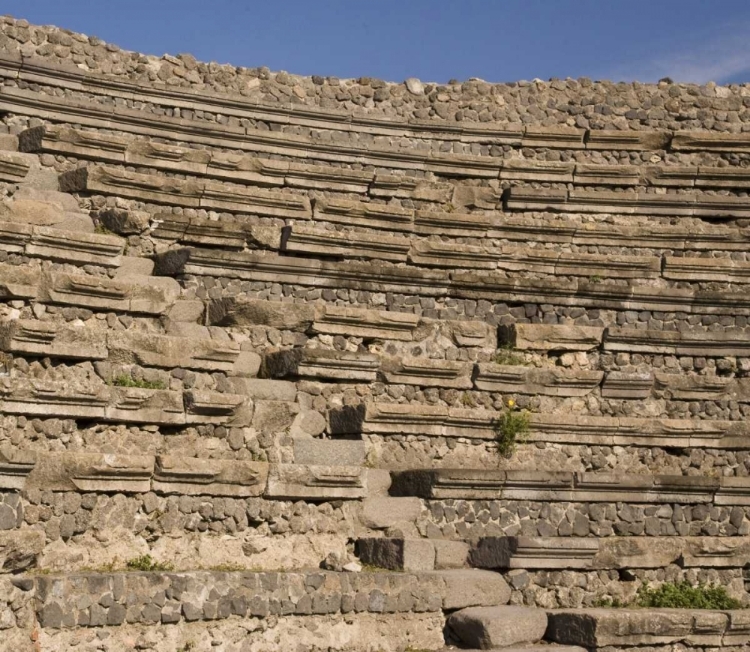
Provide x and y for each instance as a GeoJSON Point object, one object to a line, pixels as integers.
{"type": "Point", "coordinates": [95, 600]}
{"type": "Point", "coordinates": [563, 486]}
{"type": "Point", "coordinates": [170, 474]}
{"type": "Point", "coordinates": [598, 628]}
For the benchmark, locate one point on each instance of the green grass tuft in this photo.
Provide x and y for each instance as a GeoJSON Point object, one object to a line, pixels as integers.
{"type": "Point", "coordinates": [127, 381]}
{"type": "Point", "coordinates": [147, 563]}
{"type": "Point", "coordinates": [683, 595]}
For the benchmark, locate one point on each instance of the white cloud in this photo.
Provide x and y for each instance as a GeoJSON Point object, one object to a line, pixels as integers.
{"type": "Point", "coordinates": [720, 57]}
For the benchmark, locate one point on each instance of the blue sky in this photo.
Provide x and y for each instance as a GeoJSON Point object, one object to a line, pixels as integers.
{"type": "Point", "coordinates": [434, 40]}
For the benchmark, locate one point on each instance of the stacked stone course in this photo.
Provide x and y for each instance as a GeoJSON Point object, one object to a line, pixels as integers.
{"type": "Point", "coordinates": [258, 333]}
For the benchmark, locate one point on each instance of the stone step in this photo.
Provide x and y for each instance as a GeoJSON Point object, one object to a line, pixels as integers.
{"type": "Point", "coordinates": [597, 629]}
{"type": "Point", "coordinates": [191, 193]}
{"type": "Point", "coordinates": [488, 628]}
{"type": "Point", "coordinates": [390, 326]}
{"type": "Point", "coordinates": [555, 553]}
{"type": "Point", "coordinates": [60, 245]}
{"type": "Point", "coordinates": [546, 338]}
{"type": "Point", "coordinates": [136, 294]}
{"type": "Point", "coordinates": [523, 198]}
{"type": "Point", "coordinates": [59, 340]}
{"type": "Point", "coordinates": [563, 486]}
{"type": "Point", "coordinates": [144, 153]}
{"type": "Point", "coordinates": [399, 419]}
{"type": "Point", "coordinates": [27, 470]}
{"type": "Point", "coordinates": [462, 284]}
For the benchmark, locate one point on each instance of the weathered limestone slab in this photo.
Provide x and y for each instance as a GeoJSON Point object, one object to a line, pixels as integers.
{"type": "Point", "coordinates": [372, 276]}
{"type": "Point", "coordinates": [674, 176]}
{"type": "Point", "coordinates": [193, 193]}
{"type": "Point", "coordinates": [524, 198]}
{"type": "Point", "coordinates": [630, 431]}
{"type": "Point", "coordinates": [15, 467]}
{"type": "Point", "coordinates": [148, 153]}
{"type": "Point", "coordinates": [75, 247]}
{"type": "Point", "coordinates": [91, 472]}
{"type": "Point", "coordinates": [14, 236]}
{"type": "Point", "coordinates": [616, 487]}
{"type": "Point", "coordinates": [595, 294]}
{"type": "Point", "coordinates": [607, 552]}
{"type": "Point", "coordinates": [653, 236]}
{"type": "Point", "coordinates": [19, 282]}
{"type": "Point", "coordinates": [140, 405]}
{"type": "Point", "coordinates": [531, 170]}
{"type": "Point", "coordinates": [370, 215]}
{"type": "Point", "coordinates": [426, 372]}
{"type": "Point", "coordinates": [528, 380]}
{"type": "Point", "coordinates": [324, 177]}
{"type": "Point", "coordinates": [336, 452]}
{"type": "Point", "coordinates": [391, 185]}
{"type": "Point", "coordinates": [240, 199]}
{"type": "Point", "coordinates": [20, 550]}
{"type": "Point", "coordinates": [141, 295]}
{"type": "Point", "coordinates": [80, 143]}
{"type": "Point", "coordinates": [321, 363]}
{"type": "Point", "coordinates": [722, 270]}
{"type": "Point", "coordinates": [553, 137]}
{"type": "Point", "coordinates": [438, 253]}
{"type": "Point", "coordinates": [618, 384]}
{"type": "Point", "coordinates": [533, 552]}
{"type": "Point", "coordinates": [54, 340]}
{"type": "Point", "coordinates": [468, 333]}
{"type": "Point", "coordinates": [53, 399]}
{"type": "Point", "coordinates": [194, 477]}
{"type": "Point", "coordinates": [471, 588]}
{"type": "Point", "coordinates": [365, 323]}
{"type": "Point", "coordinates": [206, 406]}
{"type": "Point", "coordinates": [13, 167]}
{"type": "Point", "coordinates": [494, 627]}
{"type": "Point", "coordinates": [597, 628]}
{"type": "Point", "coordinates": [695, 388]}
{"type": "Point", "coordinates": [710, 343]}
{"type": "Point", "coordinates": [545, 261]}
{"type": "Point", "coordinates": [397, 554]}
{"type": "Point", "coordinates": [475, 484]}
{"type": "Point", "coordinates": [548, 337]}
{"type": "Point", "coordinates": [458, 225]}
{"type": "Point", "coordinates": [404, 419]}
{"type": "Point", "coordinates": [627, 203]}
{"type": "Point", "coordinates": [710, 141]}
{"type": "Point", "coordinates": [202, 232]}
{"type": "Point", "coordinates": [154, 350]}
{"type": "Point", "coordinates": [310, 482]}
{"type": "Point", "coordinates": [627, 140]}
{"type": "Point", "coordinates": [734, 491]}
{"type": "Point", "coordinates": [462, 165]}
{"type": "Point", "coordinates": [729, 177]}
{"type": "Point", "coordinates": [242, 311]}
{"type": "Point", "coordinates": [343, 244]}
{"type": "Point", "coordinates": [606, 175]}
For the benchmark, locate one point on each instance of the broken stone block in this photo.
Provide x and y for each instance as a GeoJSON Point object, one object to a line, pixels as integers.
{"type": "Point", "coordinates": [494, 627]}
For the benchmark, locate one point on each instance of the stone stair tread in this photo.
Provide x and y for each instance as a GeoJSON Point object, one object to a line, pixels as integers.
{"type": "Point", "coordinates": [493, 627]}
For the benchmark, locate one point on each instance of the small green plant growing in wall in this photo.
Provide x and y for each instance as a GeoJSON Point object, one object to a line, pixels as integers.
{"type": "Point", "coordinates": [511, 428]}
{"type": "Point", "coordinates": [507, 355]}
{"type": "Point", "coordinates": [683, 595]}
{"type": "Point", "coordinates": [124, 380]}
{"type": "Point", "coordinates": [147, 563]}
{"type": "Point", "coordinates": [595, 278]}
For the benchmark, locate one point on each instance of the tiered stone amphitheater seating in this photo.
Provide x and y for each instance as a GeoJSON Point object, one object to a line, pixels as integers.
{"type": "Point", "coordinates": [257, 346]}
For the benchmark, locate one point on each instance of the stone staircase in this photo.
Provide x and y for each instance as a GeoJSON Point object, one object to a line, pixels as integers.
{"type": "Point", "coordinates": [256, 354]}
